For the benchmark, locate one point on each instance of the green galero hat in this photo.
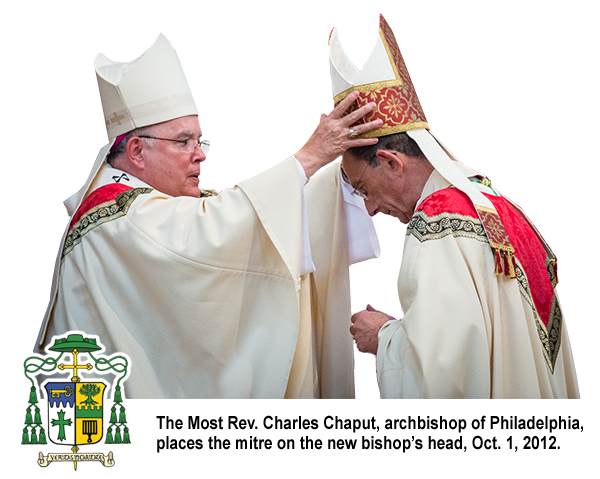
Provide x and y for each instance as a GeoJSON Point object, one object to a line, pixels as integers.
{"type": "Point", "coordinates": [75, 341]}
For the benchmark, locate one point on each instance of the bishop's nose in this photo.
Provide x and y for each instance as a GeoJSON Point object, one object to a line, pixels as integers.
{"type": "Point", "coordinates": [372, 207]}
{"type": "Point", "coordinates": [199, 154]}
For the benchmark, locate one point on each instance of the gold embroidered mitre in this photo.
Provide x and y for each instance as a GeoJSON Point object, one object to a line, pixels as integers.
{"type": "Point", "coordinates": [384, 80]}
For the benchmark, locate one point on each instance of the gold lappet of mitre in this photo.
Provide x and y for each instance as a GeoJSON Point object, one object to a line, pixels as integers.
{"type": "Point", "coordinates": [148, 90]}
{"type": "Point", "coordinates": [384, 80]}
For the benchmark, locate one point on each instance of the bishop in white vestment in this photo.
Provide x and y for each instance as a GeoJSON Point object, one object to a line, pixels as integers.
{"type": "Point", "coordinates": [210, 297]}
{"type": "Point", "coordinates": [477, 282]}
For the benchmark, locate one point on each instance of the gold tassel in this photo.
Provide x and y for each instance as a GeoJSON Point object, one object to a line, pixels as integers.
{"type": "Point", "coordinates": [498, 271]}
{"type": "Point", "coordinates": [505, 263]}
{"type": "Point", "coordinates": [511, 265]}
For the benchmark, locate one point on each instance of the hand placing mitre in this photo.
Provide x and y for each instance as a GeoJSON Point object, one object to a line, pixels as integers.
{"type": "Point", "coordinates": [365, 328]}
{"type": "Point", "coordinates": [335, 134]}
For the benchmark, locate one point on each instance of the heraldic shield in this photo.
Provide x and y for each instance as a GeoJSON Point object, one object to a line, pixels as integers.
{"type": "Point", "coordinates": [75, 412]}
{"type": "Point", "coordinates": [76, 405]}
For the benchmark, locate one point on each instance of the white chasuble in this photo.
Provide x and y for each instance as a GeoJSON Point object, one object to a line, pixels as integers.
{"type": "Point", "coordinates": [203, 295]}
{"type": "Point", "coordinates": [466, 332]}
{"type": "Point", "coordinates": [210, 298]}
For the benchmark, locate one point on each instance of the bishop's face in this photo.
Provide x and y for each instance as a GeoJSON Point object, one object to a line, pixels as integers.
{"type": "Point", "coordinates": [168, 166]}
{"type": "Point", "coordinates": [382, 185]}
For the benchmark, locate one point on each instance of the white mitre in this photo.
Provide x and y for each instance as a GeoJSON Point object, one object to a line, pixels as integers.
{"type": "Point", "coordinates": [148, 90]}
{"type": "Point", "coordinates": [384, 80]}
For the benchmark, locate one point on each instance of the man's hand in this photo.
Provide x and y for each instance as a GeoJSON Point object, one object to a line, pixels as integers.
{"type": "Point", "coordinates": [332, 137]}
{"type": "Point", "coordinates": [365, 328]}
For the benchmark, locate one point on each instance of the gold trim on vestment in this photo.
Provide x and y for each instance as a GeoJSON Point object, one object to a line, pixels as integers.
{"type": "Point", "coordinates": [426, 228]}
{"type": "Point", "coordinates": [367, 88]}
{"type": "Point", "coordinates": [550, 336]}
{"type": "Point", "coordinates": [104, 212]}
{"type": "Point", "coordinates": [487, 209]}
{"type": "Point", "coordinates": [502, 248]}
{"type": "Point", "coordinates": [389, 130]}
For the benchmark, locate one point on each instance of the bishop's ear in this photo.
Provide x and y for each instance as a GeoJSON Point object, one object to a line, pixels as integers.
{"type": "Point", "coordinates": [393, 160]}
{"type": "Point", "coordinates": [134, 151]}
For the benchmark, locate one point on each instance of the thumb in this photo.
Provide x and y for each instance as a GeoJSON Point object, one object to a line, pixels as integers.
{"type": "Point", "coordinates": [371, 308]}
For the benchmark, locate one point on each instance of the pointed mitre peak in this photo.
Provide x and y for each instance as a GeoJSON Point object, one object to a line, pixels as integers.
{"type": "Point", "coordinates": [400, 110]}
{"type": "Point", "coordinates": [148, 90]}
{"type": "Point", "coordinates": [384, 79]}
{"type": "Point", "coordinates": [345, 75]}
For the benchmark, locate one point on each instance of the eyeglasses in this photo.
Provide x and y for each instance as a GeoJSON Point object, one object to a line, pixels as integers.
{"type": "Point", "coordinates": [356, 192]}
{"type": "Point", "coordinates": [186, 145]}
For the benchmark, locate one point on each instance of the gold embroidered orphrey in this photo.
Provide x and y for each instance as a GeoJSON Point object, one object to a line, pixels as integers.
{"type": "Point", "coordinates": [100, 214]}
{"type": "Point", "coordinates": [426, 228]}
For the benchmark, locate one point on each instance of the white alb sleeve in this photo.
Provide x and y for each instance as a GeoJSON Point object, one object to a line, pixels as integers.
{"type": "Point", "coordinates": [363, 243]}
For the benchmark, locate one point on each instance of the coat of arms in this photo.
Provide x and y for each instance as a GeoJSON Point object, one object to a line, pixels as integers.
{"type": "Point", "coordinates": [76, 407]}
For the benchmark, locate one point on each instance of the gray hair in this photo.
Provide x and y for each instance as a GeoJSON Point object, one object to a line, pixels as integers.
{"type": "Point", "coordinates": [120, 148]}
{"type": "Point", "coordinates": [400, 142]}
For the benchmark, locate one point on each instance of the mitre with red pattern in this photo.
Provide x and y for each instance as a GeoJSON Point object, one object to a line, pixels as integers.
{"type": "Point", "coordinates": [384, 80]}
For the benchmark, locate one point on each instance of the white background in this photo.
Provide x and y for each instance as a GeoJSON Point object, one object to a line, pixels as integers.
{"type": "Point", "coordinates": [511, 88]}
